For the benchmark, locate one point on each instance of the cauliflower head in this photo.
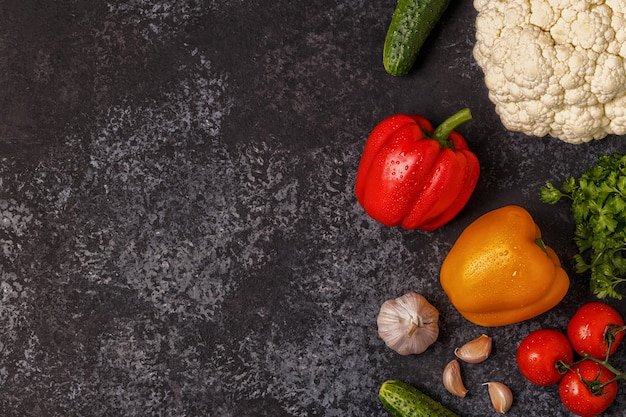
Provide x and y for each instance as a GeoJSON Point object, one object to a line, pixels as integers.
{"type": "Point", "coordinates": [555, 67]}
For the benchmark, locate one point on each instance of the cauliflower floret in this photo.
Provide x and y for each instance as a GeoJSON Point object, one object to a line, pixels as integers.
{"type": "Point", "coordinates": [521, 69]}
{"type": "Point", "coordinates": [616, 113]}
{"type": "Point", "coordinates": [533, 117]}
{"type": "Point", "coordinates": [542, 14]}
{"type": "Point", "coordinates": [590, 29]}
{"type": "Point", "coordinates": [578, 123]}
{"type": "Point", "coordinates": [607, 81]}
{"type": "Point", "coordinates": [555, 67]}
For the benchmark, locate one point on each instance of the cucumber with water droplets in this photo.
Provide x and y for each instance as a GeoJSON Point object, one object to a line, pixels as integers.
{"type": "Point", "coordinates": [404, 400]}
{"type": "Point", "coordinates": [410, 25]}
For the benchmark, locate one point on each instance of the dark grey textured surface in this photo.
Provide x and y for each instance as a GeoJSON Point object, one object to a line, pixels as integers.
{"type": "Point", "coordinates": [179, 234]}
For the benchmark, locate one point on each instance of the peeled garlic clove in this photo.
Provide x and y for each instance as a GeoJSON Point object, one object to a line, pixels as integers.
{"type": "Point", "coordinates": [452, 379]}
{"type": "Point", "coordinates": [475, 351]}
{"type": "Point", "coordinates": [501, 396]}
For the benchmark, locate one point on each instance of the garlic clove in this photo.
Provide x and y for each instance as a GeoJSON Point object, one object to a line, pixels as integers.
{"type": "Point", "coordinates": [500, 395]}
{"type": "Point", "coordinates": [475, 351]}
{"type": "Point", "coordinates": [452, 379]}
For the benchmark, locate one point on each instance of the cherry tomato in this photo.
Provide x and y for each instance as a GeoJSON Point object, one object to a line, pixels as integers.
{"type": "Point", "coordinates": [586, 330]}
{"type": "Point", "coordinates": [576, 395]}
{"type": "Point", "coordinates": [538, 355]}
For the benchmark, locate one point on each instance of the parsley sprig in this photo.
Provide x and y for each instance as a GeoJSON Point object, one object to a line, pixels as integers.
{"type": "Point", "coordinates": [598, 205]}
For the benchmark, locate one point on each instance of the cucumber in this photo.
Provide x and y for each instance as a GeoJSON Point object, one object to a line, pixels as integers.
{"type": "Point", "coordinates": [410, 25]}
{"type": "Point", "coordinates": [404, 400]}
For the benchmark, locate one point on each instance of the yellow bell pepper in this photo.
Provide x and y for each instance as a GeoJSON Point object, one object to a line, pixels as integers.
{"type": "Point", "coordinates": [499, 271]}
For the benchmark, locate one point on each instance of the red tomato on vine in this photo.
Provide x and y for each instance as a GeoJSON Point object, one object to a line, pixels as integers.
{"type": "Point", "coordinates": [539, 354]}
{"type": "Point", "coordinates": [591, 328]}
{"type": "Point", "coordinates": [585, 389]}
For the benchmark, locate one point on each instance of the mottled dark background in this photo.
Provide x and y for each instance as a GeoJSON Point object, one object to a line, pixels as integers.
{"type": "Point", "coordinates": [179, 234]}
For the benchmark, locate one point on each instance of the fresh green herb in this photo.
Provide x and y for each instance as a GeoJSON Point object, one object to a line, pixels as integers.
{"type": "Point", "coordinates": [598, 204]}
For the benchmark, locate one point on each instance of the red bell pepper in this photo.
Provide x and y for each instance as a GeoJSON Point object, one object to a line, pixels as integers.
{"type": "Point", "coordinates": [413, 176]}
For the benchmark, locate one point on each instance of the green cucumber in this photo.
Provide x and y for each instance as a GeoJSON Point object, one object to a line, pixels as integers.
{"type": "Point", "coordinates": [410, 25]}
{"type": "Point", "coordinates": [404, 400]}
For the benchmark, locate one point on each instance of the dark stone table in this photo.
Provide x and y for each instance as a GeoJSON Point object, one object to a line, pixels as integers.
{"type": "Point", "coordinates": [179, 234]}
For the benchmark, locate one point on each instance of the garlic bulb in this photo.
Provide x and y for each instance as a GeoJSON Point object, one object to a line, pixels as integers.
{"type": "Point", "coordinates": [452, 379]}
{"type": "Point", "coordinates": [408, 324]}
{"type": "Point", "coordinates": [500, 395]}
{"type": "Point", "coordinates": [475, 351]}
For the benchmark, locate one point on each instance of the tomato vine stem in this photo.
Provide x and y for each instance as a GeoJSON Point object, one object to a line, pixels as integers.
{"type": "Point", "coordinates": [595, 387]}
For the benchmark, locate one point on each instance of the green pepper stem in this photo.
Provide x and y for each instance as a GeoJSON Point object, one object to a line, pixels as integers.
{"type": "Point", "coordinates": [442, 131]}
{"type": "Point", "coordinates": [542, 245]}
